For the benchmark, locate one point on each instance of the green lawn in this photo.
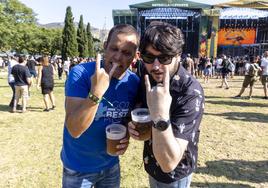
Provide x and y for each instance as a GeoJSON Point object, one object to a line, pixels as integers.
{"type": "Point", "coordinates": [233, 149]}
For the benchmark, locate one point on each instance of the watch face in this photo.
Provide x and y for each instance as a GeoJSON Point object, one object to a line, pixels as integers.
{"type": "Point", "coordinates": [162, 125]}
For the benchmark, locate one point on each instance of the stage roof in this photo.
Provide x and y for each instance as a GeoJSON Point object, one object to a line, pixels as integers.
{"type": "Point", "coordinates": [171, 3]}
{"type": "Point", "coordinates": [256, 4]}
{"type": "Point", "coordinates": [242, 13]}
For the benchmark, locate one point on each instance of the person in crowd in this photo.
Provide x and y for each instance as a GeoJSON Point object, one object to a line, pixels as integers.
{"type": "Point", "coordinates": [207, 70]}
{"type": "Point", "coordinates": [59, 67]}
{"type": "Point", "coordinates": [98, 95]}
{"type": "Point", "coordinates": [31, 63]}
{"type": "Point", "coordinates": [11, 80]}
{"type": "Point", "coordinates": [224, 72]}
{"type": "Point", "coordinates": [46, 81]}
{"type": "Point", "coordinates": [176, 104]}
{"type": "Point", "coordinates": [201, 66]}
{"type": "Point", "coordinates": [135, 64]}
{"type": "Point", "coordinates": [189, 64]}
{"type": "Point", "coordinates": [251, 73]}
{"type": "Point", "coordinates": [264, 76]}
{"type": "Point", "coordinates": [218, 67]}
{"type": "Point", "coordinates": [196, 62]}
{"type": "Point", "coordinates": [22, 83]}
{"type": "Point", "coordinates": [66, 66]}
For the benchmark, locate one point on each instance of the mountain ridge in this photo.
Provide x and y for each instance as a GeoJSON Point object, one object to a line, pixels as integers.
{"type": "Point", "coordinates": [96, 32]}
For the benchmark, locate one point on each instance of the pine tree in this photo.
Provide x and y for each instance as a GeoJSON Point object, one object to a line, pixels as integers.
{"type": "Point", "coordinates": [82, 39]}
{"type": "Point", "coordinates": [91, 52]}
{"type": "Point", "coordinates": [69, 42]}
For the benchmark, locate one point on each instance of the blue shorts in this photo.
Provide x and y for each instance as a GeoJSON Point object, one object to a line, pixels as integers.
{"type": "Point", "coordinates": [33, 73]}
{"type": "Point", "coordinates": [103, 179]}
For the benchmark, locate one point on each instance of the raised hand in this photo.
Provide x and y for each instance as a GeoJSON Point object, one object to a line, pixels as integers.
{"type": "Point", "coordinates": [158, 97]}
{"type": "Point", "coordinates": [100, 80]}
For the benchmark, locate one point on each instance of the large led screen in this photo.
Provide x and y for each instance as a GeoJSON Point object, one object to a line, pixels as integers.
{"type": "Point", "coordinates": [236, 37]}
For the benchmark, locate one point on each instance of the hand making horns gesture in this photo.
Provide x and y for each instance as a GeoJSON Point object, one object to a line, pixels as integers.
{"type": "Point", "coordinates": [100, 80]}
{"type": "Point", "coordinates": [158, 97]}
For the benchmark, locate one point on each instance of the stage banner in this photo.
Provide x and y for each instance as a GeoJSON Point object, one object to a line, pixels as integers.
{"type": "Point", "coordinates": [236, 37]}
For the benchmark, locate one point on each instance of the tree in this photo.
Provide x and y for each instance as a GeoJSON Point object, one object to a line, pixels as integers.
{"type": "Point", "coordinates": [69, 42]}
{"type": "Point", "coordinates": [19, 31]}
{"type": "Point", "coordinates": [14, 15]}
{"type": "Point", "coordinates": [91, 52]}
{"type": "Point", "coordinates": [82, 39]}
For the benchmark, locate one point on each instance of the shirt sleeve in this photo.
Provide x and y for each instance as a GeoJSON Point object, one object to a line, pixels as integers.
{"type": "Point", "coordinates": [263, 63]}
{"type": "Point", "coordinates": [78, 83]}
{"type": "Point", "coordinates": [187, 115]}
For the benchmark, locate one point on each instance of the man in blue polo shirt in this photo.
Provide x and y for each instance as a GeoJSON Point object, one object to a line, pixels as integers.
{"type": "Point", "coordinates": [96, 96]}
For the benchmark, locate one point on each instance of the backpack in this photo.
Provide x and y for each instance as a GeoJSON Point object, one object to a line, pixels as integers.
{"type": "Point", "coordinates": [253, 71]}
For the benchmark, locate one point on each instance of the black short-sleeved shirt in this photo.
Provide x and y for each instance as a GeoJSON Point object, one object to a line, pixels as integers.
{"type": "Point", "coordinates": [20, 73]}
{"type": "Point", "coordinates": [31, 64]}
{"type": "Point", "coordinates": [186, 112]}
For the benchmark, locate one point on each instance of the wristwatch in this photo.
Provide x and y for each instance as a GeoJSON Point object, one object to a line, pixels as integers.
{"type": "Point", "coordinates": [161, 124]}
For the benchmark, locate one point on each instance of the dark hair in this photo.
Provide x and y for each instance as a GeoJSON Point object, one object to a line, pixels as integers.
{"type": "Point", "coordinates": [163, 37]}
{"type": "Point", "coordinates": [123, 29]}
{"type": "Point", "coordinates": [21, 59]}
{"type": "Point", "coordinates": [44, 60]}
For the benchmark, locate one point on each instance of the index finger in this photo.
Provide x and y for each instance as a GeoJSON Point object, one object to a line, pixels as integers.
{"type": "Point", "coordinates": [166, 78]}
{"type": "Point", "coordinates": [98, 62]}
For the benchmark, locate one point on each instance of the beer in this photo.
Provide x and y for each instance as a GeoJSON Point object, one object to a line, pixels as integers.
{"type": "Point", "coordinates": [114, 133]}
{"type": "Point", "coordinates": [142, 121]}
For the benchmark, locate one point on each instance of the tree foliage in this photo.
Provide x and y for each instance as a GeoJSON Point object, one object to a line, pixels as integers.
{"type": "Point", "coordinates": [91, 52]}
{"type": "Point", "coordinates": [82, 39]}
{"type": "Point", "coordinates": [20, 32]}
{"type": "Point", "coordinates": [69, 42]}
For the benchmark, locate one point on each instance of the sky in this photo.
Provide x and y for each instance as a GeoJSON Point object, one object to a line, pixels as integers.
{"type": "Point", "coordinates": [96, 12]}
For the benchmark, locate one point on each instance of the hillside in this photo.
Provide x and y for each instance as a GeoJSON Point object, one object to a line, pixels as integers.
{"type": "Point", "coordinates": [96, 32]}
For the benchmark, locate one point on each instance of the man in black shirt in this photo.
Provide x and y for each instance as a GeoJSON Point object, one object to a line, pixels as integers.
{"type": "Point", "coordinates": [176, 103]}
{"type": "Point", "coordinates": [22, 78]}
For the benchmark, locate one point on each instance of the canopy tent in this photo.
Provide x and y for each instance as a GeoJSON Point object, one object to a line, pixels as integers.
{"type": "Point", "coordinates": [242, 13]}
{"type": "Point", "coordinates": [256, 4]}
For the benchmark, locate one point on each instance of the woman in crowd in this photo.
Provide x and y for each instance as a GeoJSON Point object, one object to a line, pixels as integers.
{"type": "Point", "coordinates": [46, 81]}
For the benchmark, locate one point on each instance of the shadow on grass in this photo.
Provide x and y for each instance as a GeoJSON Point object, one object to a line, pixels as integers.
{"type": "Point", "coordinates": [248, 171]}
{"type": "Point", "coordinates": [34, 109]}
{"type": "Point", "coordinates": [6, 108]}
{"type": "Point", "coordinates": [244, 116]}
{"type": "Point", "coordinates": [62, 84]}
{"type": "Point", "coordinates": [236, 103]}
{"type": "Point", "coordinates": [219, 185]}
{"type": "Point", "coordinates": [4, 86]}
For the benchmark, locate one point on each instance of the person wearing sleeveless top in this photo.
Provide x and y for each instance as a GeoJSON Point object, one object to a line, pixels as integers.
{"type": "Point", "coordinates": [46, 81]}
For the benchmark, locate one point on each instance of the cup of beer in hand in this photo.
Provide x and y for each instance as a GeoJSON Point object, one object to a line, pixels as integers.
{"type": "Point", "coordinates": [142, 121]}
{"type": "Point", "coordinates": [114, 133]}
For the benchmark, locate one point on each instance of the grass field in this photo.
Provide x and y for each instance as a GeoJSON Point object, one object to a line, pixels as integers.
{"type": "Point", "coordinates": [233, 149]}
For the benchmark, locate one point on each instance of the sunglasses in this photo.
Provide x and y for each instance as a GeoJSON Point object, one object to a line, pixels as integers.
{"type": "Point", "coordinates": [163, 59]}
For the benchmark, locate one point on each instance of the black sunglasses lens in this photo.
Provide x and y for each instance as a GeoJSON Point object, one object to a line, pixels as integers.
{"type": "Point", "coordinates": [165, 60]}
{"type": "Point", "coordinates": [147, 59]}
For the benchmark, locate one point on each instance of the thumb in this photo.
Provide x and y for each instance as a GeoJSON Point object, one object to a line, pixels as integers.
{"type": "Point", "coordinates": [147, 83]}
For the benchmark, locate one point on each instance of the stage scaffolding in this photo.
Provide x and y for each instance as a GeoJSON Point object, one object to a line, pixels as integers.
{"type": "Point", "coordinates": [186, 20]}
